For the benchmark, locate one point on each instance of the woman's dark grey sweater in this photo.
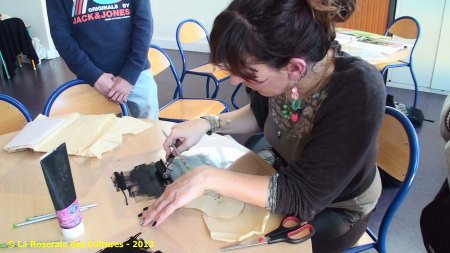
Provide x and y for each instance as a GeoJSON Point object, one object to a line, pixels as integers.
{"type": "Point", "coordinates": [330, 153]}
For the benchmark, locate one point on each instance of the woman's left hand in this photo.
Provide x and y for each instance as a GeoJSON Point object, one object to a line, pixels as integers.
{"type": "Point", "coordinates": [181, 192]}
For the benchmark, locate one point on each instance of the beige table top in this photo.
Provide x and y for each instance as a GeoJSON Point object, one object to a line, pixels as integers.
{"type": "Point", "coordinates": [380, 64]}
{"type": "Point", "coordinates": [24, 193]}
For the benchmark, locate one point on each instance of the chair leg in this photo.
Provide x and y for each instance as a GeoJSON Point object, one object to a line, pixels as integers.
{"type": "Point", "coordinates": [216, 90]}
{"type": "Point", "coordinates": [383, 73]}
{"type": "Point", "coordinates": [175, 94]}
{"type": "Point", "coordinates": [19, 60]}
{"type": "Point", "coordinates": [4, 66]}
{"type": "Point", "coordinates": [33, 64]}
{"type": "Point", "coordinates": [233, 96]}
{"type": "Point", "coordinates": [416, 88]}
{"type": "Point", "coordinates": [207, 86]}
{"type": "Point", "coordinates": [416, 92]}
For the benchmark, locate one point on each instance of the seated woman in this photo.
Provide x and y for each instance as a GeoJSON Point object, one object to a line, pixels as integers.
{"type": "Point", "coordinates": [320, 110]}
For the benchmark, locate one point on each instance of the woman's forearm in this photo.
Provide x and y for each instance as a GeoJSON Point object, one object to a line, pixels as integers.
{"type": "Point", "coordinates": [241, 121]}
{"type": "Point", "coordinates": [248, 188]}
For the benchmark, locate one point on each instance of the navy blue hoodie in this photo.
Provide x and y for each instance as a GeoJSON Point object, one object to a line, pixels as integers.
{"type": "Point", "coordinates": [102, 36]}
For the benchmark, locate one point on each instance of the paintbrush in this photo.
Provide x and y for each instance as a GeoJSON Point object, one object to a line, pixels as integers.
{"type": "Point", "coordinates": [178, 153]}
{"type": "Point", "coordinates": [49, 216]}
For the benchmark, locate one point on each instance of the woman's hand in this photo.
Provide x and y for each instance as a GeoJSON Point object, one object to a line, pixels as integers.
{"type": "Point", "coordinates": [181, 192]}
{"type": "Point", "coordinates": [188, 133]}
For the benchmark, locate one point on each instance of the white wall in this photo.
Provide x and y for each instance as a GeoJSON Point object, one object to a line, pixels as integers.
{"type": "Point", "coordinates": [168, 13]}
{"type": "Point", "coordinates": [430, 15]}
{"type": "Point", "coordinates": [441, 74]}
{"type": "Point", "coordinates": [34, 13]}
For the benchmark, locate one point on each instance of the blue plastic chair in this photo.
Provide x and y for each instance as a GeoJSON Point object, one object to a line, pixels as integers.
{"type": "Point", "coordinates": [189, 31]}
{"type": "Point", "coordinates": [14, 114]}
{"type": "Point", "coordinates": [398, 148]}
{"type": "Point", "coordinates": [233, 96]}
{"type": "Point", "coordinates": [408, 28]}
{"type": "Point", "coordinates": [181, 109]}
{"type": "Point", "coordinates": [78, 96]}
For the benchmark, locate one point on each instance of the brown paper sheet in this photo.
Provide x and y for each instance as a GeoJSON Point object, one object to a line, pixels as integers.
{"type": "Point", "coordinates": [231, 220]}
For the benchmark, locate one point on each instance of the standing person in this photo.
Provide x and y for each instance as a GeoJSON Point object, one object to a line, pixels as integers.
{"type": "Point", "coordinates": [319, 109]}
{"type": "Point", "coordinates": [105, 42]}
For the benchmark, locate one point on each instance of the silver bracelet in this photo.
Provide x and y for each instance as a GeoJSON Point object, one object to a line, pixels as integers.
{"type": "Point", "coordinates": [214, 121]}
{"type": "Point", "coordinates": [271, 203]}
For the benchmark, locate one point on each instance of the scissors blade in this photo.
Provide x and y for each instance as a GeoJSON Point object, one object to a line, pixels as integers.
{"type": "Point", "coordinates": [242, 246]}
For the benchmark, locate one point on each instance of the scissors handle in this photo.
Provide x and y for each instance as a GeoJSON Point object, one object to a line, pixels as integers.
{"type": "Point", "coordinates": [298, 235]}
{"type": "Point", "coordinates": [289, 223]}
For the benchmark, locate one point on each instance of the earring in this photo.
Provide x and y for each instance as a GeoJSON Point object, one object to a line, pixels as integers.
{"type": "Point", "coordinates": [296, 101]}
{"type": "Point", "coordinates": [294, 111]}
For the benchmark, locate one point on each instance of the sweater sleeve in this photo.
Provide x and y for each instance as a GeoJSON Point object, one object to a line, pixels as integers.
{"type": "Point", "coordinates": [60, 28]}
{"type": "Point", "coordinates": [342, 144]}
{"type": "Point", "coordinates": [140, 42]}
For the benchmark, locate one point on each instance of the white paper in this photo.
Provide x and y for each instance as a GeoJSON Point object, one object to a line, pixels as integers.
{"type": "Point", "coordinates": [33, 133]}
{"type": "Point", "coordinates": [344, 39]}
{"type": "Point", "coordinates": [380, 46]}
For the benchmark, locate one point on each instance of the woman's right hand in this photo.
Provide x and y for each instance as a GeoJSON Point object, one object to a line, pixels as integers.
{"type": "Point", "coordinates": [188, 133]}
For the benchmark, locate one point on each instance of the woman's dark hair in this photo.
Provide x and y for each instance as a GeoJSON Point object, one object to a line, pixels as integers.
{"type": "Point", "coordinates": [274, 31]}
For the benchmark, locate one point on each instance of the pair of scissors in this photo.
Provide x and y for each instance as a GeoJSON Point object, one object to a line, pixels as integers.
{"type": "Point", "coordinates": [291, 230]}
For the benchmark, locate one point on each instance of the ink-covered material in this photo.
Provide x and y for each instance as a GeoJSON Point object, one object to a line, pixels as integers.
{"type": "Point", "coordinates": [58, 176]}
{"type": "Point", "coordinates": [145, 181]}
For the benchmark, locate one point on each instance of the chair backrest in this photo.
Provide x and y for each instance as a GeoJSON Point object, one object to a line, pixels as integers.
{"type": "Point", "coordinates": [188, 31]}
{"type": "Point", "coordinates": [14, 115]}
{"type": "Point", "coordinates": [405, 27]}
{"type": "Point", "coordinates": [160, 61]}
{"type": "Point", "coordinates": [398, 155]}
{"type": "Point", "coordinates": [78, 96]}
{"type": "Point", "coordinates": [393, 148]}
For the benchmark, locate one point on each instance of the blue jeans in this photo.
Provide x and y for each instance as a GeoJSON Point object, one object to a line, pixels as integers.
{"type": "Point", "coordinates": [143, 98]}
